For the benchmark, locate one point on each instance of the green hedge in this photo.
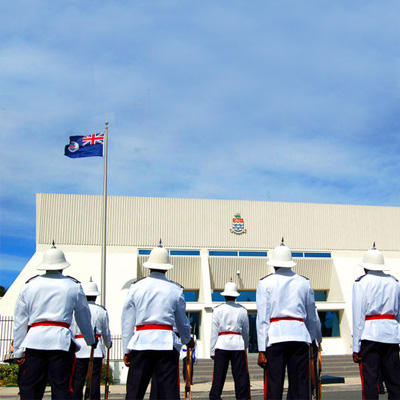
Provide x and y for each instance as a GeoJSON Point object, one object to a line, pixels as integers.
{"type": "Point", "coordinates": [9, 374]}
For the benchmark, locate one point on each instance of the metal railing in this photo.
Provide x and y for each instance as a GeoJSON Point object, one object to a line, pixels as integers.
{"type": "Point", "coordinates": [6, 337]}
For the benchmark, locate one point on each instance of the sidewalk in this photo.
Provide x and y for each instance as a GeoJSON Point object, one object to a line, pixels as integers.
{"type": "Point", "coordinates": [120, 390]}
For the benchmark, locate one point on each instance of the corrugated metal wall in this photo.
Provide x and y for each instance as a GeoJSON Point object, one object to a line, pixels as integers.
{"type": "Point", "coordinates": [186, 271]}
{"type": "Point", "coordinates": [141, 221]}
{"type": "Point", "coordinates": [318, 271]}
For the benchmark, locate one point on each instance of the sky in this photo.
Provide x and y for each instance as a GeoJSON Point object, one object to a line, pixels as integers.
{"type": "Point", "coordinates": [289, 101]}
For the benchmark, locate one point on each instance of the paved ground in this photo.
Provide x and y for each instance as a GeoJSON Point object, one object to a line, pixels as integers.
{"type": "Point", "coordinates": [350, 390]}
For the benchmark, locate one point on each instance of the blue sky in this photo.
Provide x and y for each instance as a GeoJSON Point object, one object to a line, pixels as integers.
{"type": "Point", "coordinates": [293, 101]}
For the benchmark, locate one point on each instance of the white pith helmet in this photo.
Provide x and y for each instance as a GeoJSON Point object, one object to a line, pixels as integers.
{"type": "Point", "coordinates": [159, 259]}
{"type": "Point", "coordinates": [90, 288]}
{"type": "Point", "coordinates": [373, 260]}
{"type": "Point", "coordinates": [230, 290]}
{"type": "Point", "coordinates": [281, 257]}
{"type": "Point", "coordinates": [53, 260]}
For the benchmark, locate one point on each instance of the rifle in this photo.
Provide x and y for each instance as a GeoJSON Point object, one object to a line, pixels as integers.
{"type": "Point", "coordinates": [88, 391]}
{"type": "Point", "coordinates": [107, 385]}
{"type": "Point", "coordinates": [248, 372]}
{"type": "Point", "coordinates": [313, 385]}
{"type": "Point", "coordinates": [188, 389]}
{"type": "Point", "coordinates": [319, 389]}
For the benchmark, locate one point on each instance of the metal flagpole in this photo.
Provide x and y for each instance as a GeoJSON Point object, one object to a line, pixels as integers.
{"type": "Point", "coordinates": [104, 241]}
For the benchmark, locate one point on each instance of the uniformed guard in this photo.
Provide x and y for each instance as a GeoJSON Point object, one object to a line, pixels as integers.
{"type": "Point", "coordinates": [44, 344]}
{"type": "Point", "coordinates": [152, 306]}
{"type": "Point", "coordinates": [101, 323]}
{"type": "Point", "coordinates": [376, 330]}
{"type": "Point", "coordinates": [229, 342]}
{"type": "Point", "coordinates": [286, 326]}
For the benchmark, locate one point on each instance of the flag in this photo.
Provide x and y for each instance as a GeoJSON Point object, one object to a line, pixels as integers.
{"type": "Point", "coordinates": [85, 146]}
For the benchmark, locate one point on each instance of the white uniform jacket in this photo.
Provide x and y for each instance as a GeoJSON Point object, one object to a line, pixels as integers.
{"type": "Point", "coordinates": [229, 317]}
{"type": "Point", "coordinates": [285, 294]}
{"type": "Point", "coordinates": [154, 300]}
{"type": "Point", "coordinates": [375, 294]}
{"type": "Point", "coordinates": [46, 299]}
{"type": "Point", "coordinates": [100, 322]}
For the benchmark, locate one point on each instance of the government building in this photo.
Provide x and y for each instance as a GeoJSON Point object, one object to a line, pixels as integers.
{"type": "Point", "coordinates": [210, 242]}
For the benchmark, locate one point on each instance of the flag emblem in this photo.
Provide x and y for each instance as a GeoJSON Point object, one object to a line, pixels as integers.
{"type": "Point", "coordinates": [85, 146]}
{"type": "Point", "coordinates": [238, 225]}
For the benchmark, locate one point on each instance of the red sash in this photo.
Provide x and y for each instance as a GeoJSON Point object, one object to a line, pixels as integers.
{"type": "Point", "coordinates": [379, 316]}
{"type": "Point", "coordinates": [81, 336]}
{"type": "Point", "coordinates": [50, 323]}
{"type": "Point", "coordinates": [158, 327]}
{"type": "Point", "coordinates": [229, 333]}
{"type": "Point", "coordinates": [286, 319]}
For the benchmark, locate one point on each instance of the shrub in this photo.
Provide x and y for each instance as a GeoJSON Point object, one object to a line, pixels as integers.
{"type": "Point", "coordinates": [103, 374]}
{"type": "Point", "coordinates": [8, 374]}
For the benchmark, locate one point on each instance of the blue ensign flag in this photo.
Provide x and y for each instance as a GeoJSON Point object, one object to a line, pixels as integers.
{"type": "Point", "coordinates": [85, 146]}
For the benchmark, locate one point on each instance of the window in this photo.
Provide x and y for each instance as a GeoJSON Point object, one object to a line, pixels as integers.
{"type": "Point", "coordinates": [329, 323]}
{"type": "Point", "coordinates": [194, 318]}
{"type": "Point", "coordinates": [320, 295]}
{"type": "Point", "coordinates": [184, 252]}
{"type": "Point", "coordinates": [216, 296]}
{"type": "Point", "coordinates": [191, 295]}
{"type": "Point", "coordinates": [144, 252]}
{"type": "Point", "coordinates": [222, 253]}
{"type": "Point", "coordinates": [318, 255]}
{"type": "Point", "coordinates": [253, 254]}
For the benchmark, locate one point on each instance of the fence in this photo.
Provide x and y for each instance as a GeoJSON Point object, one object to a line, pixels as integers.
{"type": "Point", "coordinates": [6, 337]}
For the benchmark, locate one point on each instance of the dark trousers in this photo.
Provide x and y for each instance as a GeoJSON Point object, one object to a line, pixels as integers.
{"type": "Point", "coordinates": [42, 365]}
{"type": "Point", "coordinates": [239, 371]}
{"type": "Point", "coordinates": [294, 356]}
{"type": "Point", "coordinates": [80, 374]}
{"type": "Point", "coordinates": [163, 363]}
{"type": "Point", "coordinates": [375, 357]}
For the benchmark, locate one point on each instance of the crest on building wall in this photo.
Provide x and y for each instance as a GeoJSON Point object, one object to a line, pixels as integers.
{"type": "Point", "coordinates": [238, 225]}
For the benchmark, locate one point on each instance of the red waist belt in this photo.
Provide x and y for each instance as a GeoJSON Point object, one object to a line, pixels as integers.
{"type": "Point", "coordinates": [379, 316]}
{"type": "Point", "coordinates": [155, 327]}
{"type": "Point", "coordinates": [286, 319]}
{"type": "Point", "coordinates": [50, 323]}
{"type": "Point", "coordinates": [81, 336]}
{"type": "Point", "coordinates": [229, 333]}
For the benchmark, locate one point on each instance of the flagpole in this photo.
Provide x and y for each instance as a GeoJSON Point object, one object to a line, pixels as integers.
{"type": "Point", "coordinates": [104, 241]}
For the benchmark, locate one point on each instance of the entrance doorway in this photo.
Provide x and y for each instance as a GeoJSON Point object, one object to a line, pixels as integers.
{"type": "Point", "coordinates": [253, 348]}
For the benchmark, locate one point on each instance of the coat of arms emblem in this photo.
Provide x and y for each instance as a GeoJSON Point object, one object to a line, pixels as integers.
{"type": "Point", "coordinates": [238, 225]}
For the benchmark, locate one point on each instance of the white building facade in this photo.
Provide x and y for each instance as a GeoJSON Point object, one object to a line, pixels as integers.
{"type": "Point", "coordinates": [211, 241]}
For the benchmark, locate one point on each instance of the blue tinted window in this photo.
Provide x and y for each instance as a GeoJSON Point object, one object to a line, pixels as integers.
{"type": "Point", "coordinates": [194, 319]}
{"type": "Point", "coordinates": [184, 252]}
{"type": "Point", "coordinates": [191, 295]}
{"type": "Point", "coordinates": [320, 295]}
{"type": "Point", "coordinates": [221, 253]}
{"type": "Point", "coordinates": [143, 252]}
{"type": "Point", "coordinates": [253, 254]}
{"type": "Point", "coordinates": [216, 296]}
{"type": "Point", "coordinates": [329, 323]}
{"type": "Point", "coordinates": [244, 296]}
{"type": "Point", "coordinates": [247, 296]}
{"type": "Point", "coordinates": [297, 254]}
{"type": "Point", "coordinates": [318, 255]}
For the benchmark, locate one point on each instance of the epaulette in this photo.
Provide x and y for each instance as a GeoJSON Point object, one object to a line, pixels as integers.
{"type": "Point", "coordinates": [99, 305]}
{"type": "Point", "coordinates": [33, 277]}
{"type": "Point", "coordinates": [71, 277]}
{"type": "Point", "coordinates": [178, 284]}
{"type": "Point", "coordinates": [266, 276]}
{"type": "Point", "coordinates": [241, 306]}
{"type": "Point", "coordinates": [394, 278]}
{"type": "Point", "coordinates": [219, 305]}
{"type": "Point", "coordinates": [139, 280]}
{"type": "Point", "coordinates": [304, 277]}
{"type": "Point", "coordinates": [360, 277]}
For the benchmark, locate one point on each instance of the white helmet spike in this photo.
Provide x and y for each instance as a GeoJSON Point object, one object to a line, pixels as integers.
{"type": "Point", "coordinates": [230, 290]}
{"type": "Point", "coordinates": [90, 288]}
{"type": "Point", "coordinates": [373, 260]}
{"type": "Point", "coordinates": [281, 257]}
{"type": "Point", "coordinates": [53, 260]}
{"type": "Point", "coordinates": [159, 259]}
